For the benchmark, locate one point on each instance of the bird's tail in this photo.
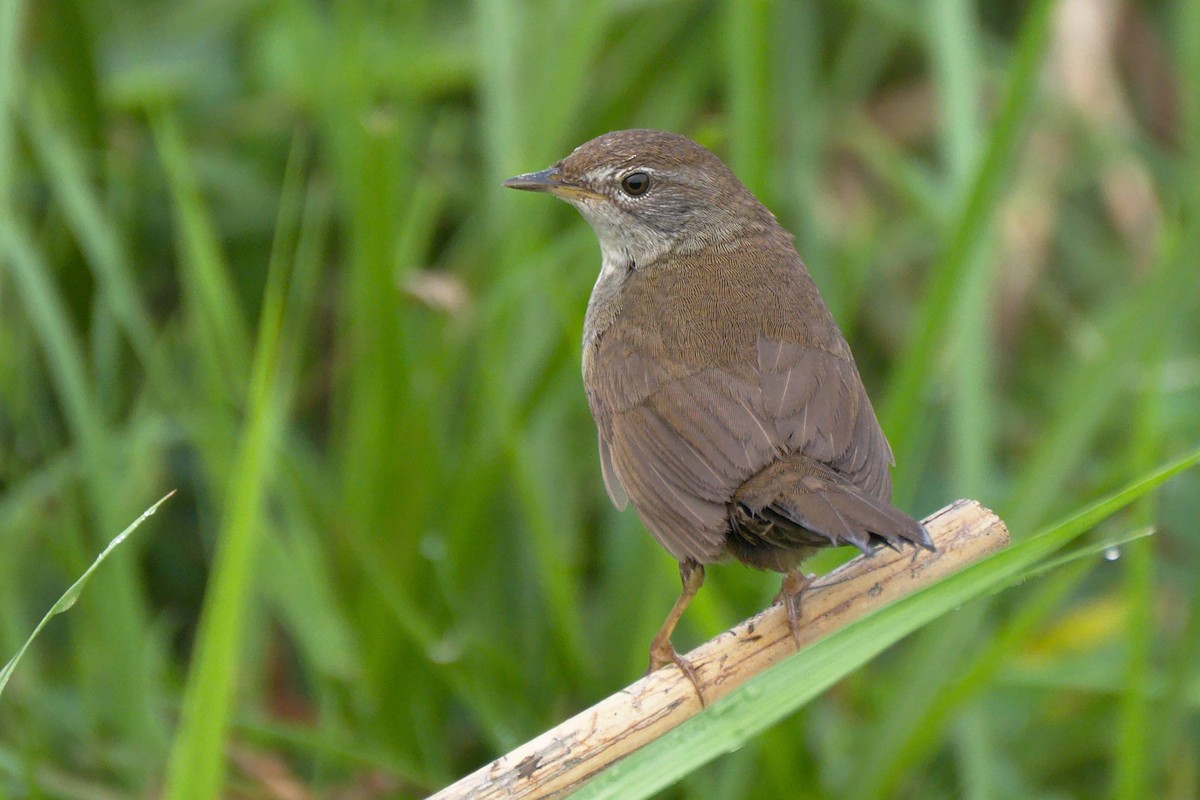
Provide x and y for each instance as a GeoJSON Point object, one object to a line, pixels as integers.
{"type": "Point", "coordinates": [800, 504]}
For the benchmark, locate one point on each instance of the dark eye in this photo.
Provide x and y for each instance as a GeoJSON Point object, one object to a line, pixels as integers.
{"type": "Point", "coordinates": [636, 184]}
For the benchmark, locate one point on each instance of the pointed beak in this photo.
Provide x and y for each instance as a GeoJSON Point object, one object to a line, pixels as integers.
{"type": "Point", "coordinates": [545, 181]}
{"type": "Point", "coordinates": [548, 180]}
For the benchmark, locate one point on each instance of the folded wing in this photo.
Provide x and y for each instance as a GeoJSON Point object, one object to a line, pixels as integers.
{"type": "Point", "coordinates": [681, 444]}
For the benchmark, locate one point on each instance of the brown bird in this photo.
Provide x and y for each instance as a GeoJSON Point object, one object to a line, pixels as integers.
{"type": "Point", "coordinates": [729, 408]}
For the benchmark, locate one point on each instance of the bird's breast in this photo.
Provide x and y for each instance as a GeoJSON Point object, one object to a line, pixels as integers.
{"type": "Point", "coordinates": [680, 315]}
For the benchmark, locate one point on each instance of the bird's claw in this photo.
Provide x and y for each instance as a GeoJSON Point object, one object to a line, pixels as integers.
{"type": "Point", "coordinates": [794, 584]}
{"type": "Point", "coordinates": [664, 654]}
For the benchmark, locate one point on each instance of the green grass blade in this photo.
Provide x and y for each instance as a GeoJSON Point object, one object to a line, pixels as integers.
{"type": "Point", "coordinates": [903, 404]}
{"type": "Point", "coordinates": [217, 317]}
{"type": "Point", "coordinates": [781, 690]}
{"type": "Point", "coordinates": [916, 727]}
{"type": "Point", "coordinates": [1133, 754]}
{"type": "Point", "coordinates": [1093, 391]}
{"type": "Point", "coordinates": [63, 162]}
{"type": "Point", "coordinates": [1170, 747]}
{"type": "Point", "coordinates": [748, 31]}
{"type": "Point", "coordinates": [64, 353]}
{"type": "Point", "coordinates": [71, 595]}
{"type": "Point", "coordinates": [959, 78]}
{"type": "Point", "coordinates": [11, 25]}
{"type": "Point", "coordinates": [1130, 745]}
{"type": "Point", "coordinates": [128, 650]}
{"type": "Point", "coordinates": [197, 768]}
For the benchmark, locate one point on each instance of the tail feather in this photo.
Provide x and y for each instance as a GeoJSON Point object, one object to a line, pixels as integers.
{"type": "Point", "coordinates": [800, 504]}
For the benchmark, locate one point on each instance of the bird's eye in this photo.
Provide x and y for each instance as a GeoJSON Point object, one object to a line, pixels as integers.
{"type": "Point", "coordinates": [635, 184]}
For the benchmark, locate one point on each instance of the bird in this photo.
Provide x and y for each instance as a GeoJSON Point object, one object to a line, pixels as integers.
{"type": "Point", "coordinates": [728, 406]}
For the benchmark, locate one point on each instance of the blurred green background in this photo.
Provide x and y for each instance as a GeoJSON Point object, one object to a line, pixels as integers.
{"type": "Point", "coordinates": [256, 251]}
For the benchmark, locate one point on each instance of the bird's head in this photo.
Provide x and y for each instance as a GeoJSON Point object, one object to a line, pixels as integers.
{"type": "Point", "coordinates": [647, 192]}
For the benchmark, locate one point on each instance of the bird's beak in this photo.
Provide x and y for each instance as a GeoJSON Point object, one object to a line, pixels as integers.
{"type": "Point", "coordinates": [548, 180]}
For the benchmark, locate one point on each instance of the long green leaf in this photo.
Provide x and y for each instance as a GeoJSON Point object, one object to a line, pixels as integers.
{"type": "Point", "coordinates": [71, 595]}
{"type": "Point", "coordinates": [902, 407]}
{"type": "Point", "coordinates": [197, 765]}
{"type": "Point", "coordinates": [98, 237]}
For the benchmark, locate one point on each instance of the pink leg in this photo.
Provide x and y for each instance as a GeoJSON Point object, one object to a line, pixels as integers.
{"type": "Point", "coordinates": [794, 583]}
{"type": "Point", "coordinates": [662, 652]}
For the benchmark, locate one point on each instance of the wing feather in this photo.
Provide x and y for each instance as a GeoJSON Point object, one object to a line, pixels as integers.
{"type": "Point", "coordinates": [680, 445]}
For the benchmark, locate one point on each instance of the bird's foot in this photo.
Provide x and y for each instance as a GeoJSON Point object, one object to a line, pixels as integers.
{"type": "Point", "coordinates": [663, 654]}
{"type": "Point", "coordinates": [794, 584]}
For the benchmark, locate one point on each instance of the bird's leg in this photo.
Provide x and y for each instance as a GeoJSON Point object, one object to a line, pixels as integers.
{"type": "Point", "coordinates": [662, 652]}
{"type": "Point", "coordinates": [794, 583]}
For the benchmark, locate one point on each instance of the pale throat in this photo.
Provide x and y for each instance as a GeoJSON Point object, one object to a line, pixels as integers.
{"type": "Point", "coordinates": [623, 246]}
{"type": "Point", "coordinates": [611, 269]}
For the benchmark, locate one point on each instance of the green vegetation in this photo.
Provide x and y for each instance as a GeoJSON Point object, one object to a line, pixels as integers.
{"type": "Point", "coordinates": [258, 253]}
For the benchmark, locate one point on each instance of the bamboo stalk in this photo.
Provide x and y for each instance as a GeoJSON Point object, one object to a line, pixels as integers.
{"type": "Point", "coordinates": [561, 759]}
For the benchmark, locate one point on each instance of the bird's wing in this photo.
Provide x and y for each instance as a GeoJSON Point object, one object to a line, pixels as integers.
{"type": "Point", "coordinates": [834, 487]}
{"type": "Point", "coordinates": [818, 404]}
{"type": "Point", "coordinates": [612, 484]}
{"type": "Point", "coordinates": [680, 444]}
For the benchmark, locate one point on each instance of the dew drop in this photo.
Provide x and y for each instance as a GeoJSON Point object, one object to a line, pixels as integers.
{"type": "Point", "coordinates": [1112, 553]}
{"type": "Point", "coordinates": [433, 546]}
{"type": "Point", "coordinates": [445, 651]}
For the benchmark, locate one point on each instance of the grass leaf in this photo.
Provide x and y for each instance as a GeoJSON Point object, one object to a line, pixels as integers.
{"type": "Point", "coordinates": [71, 595]}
